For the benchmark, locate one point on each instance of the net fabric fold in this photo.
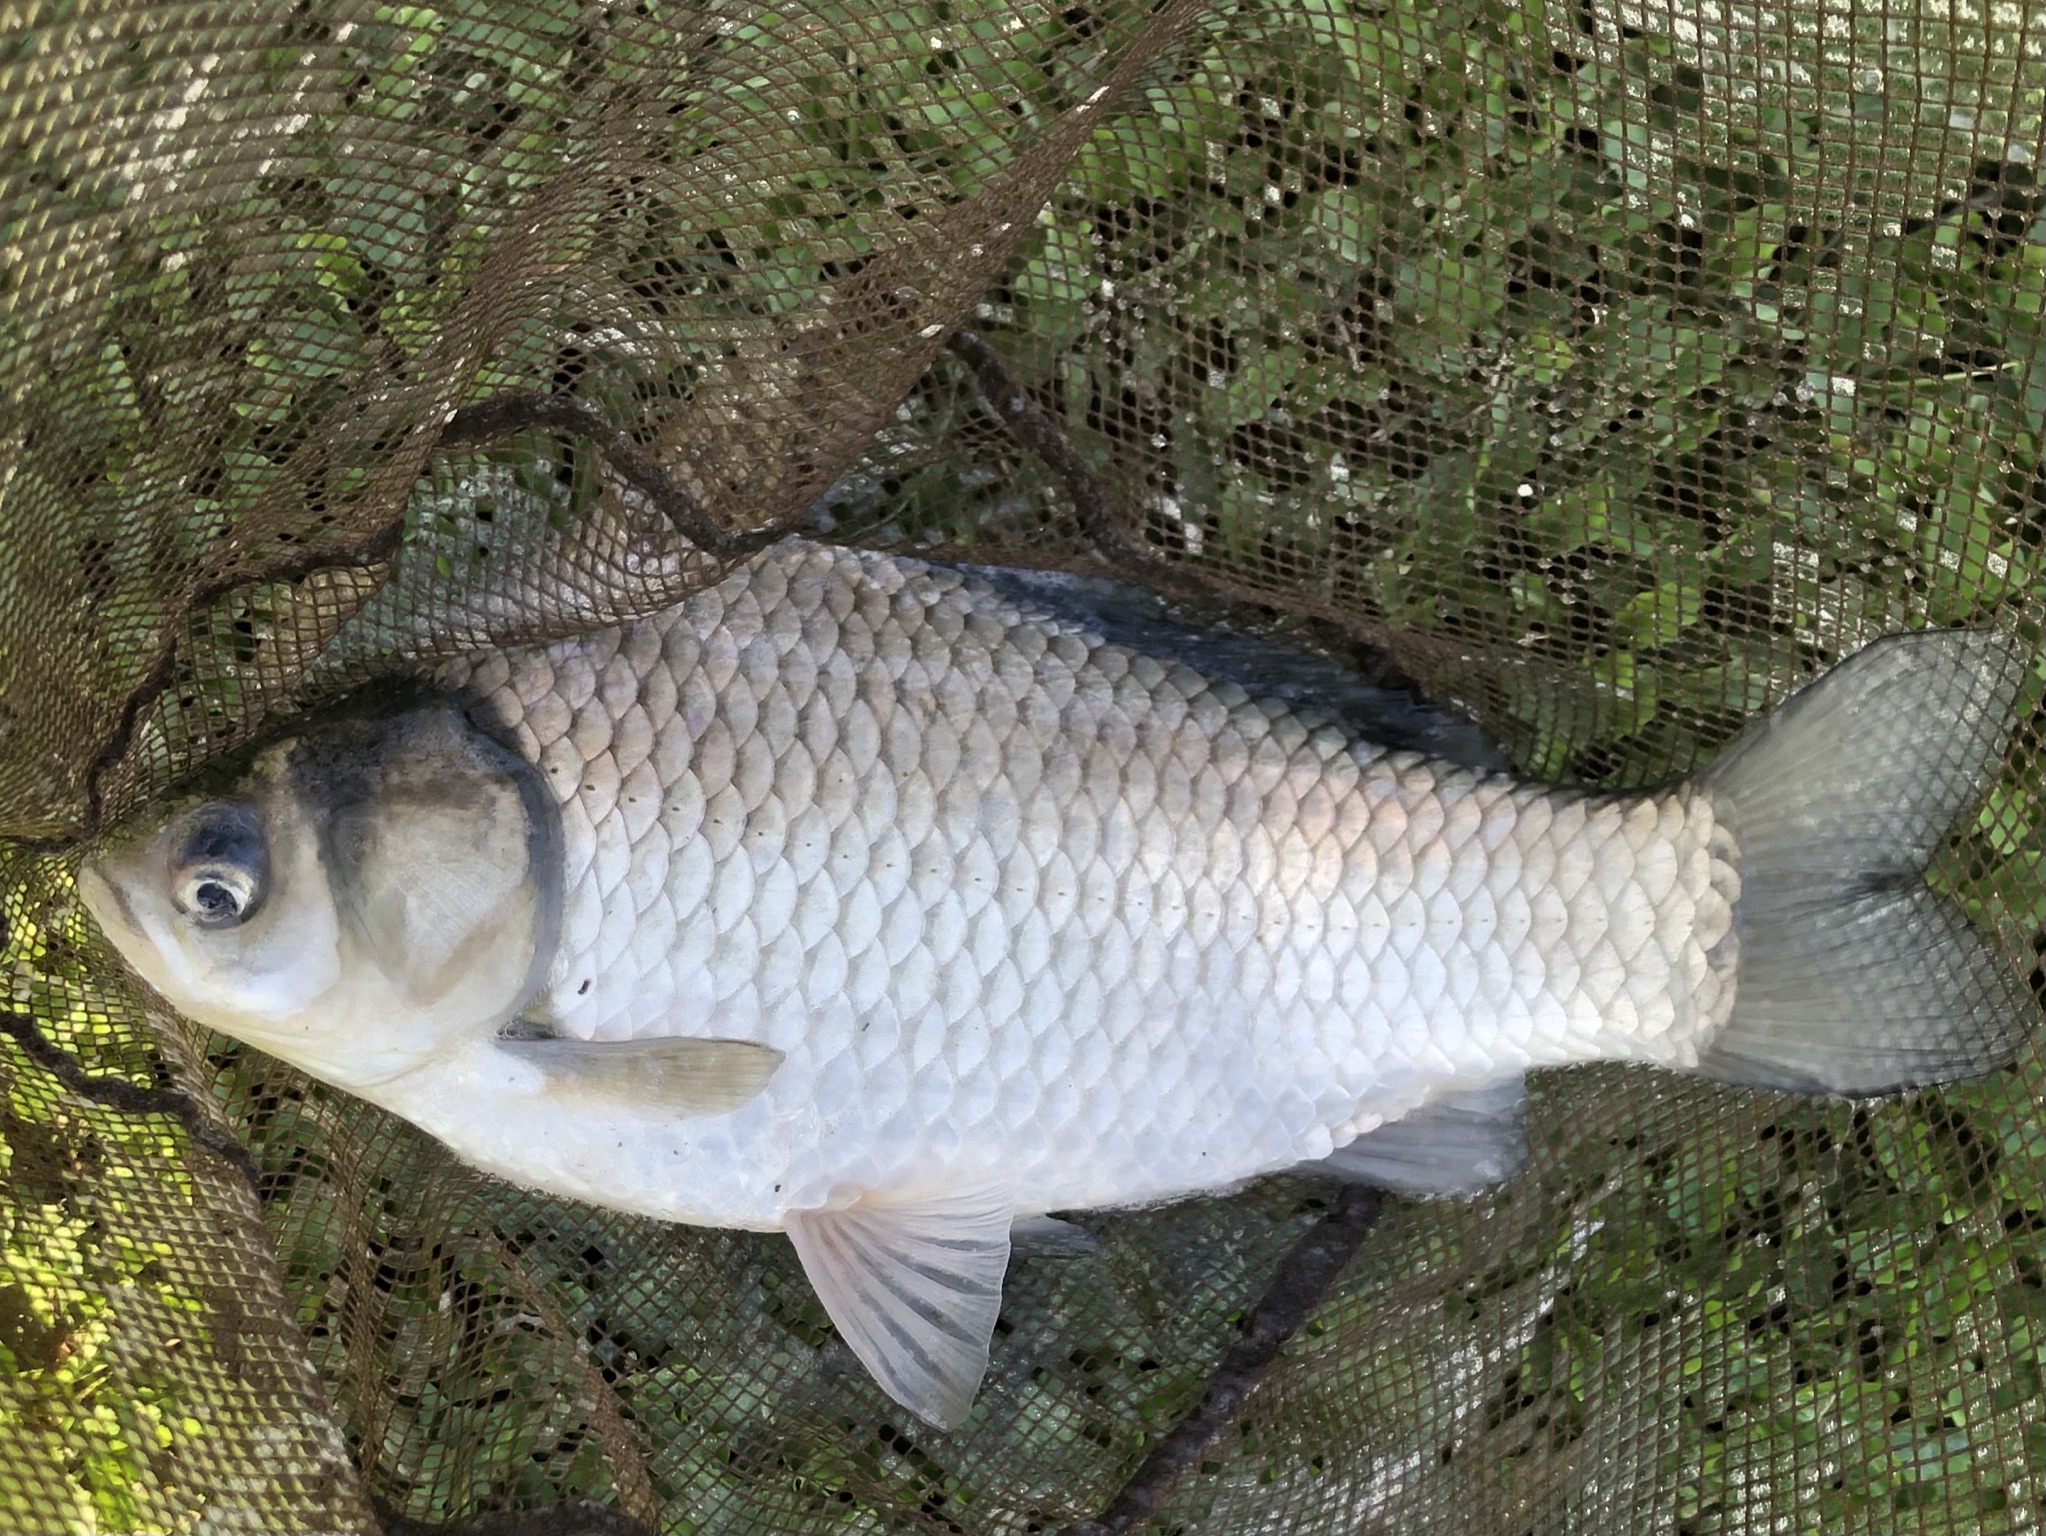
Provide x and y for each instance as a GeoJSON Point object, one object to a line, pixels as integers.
{"type": "Point", "coordinates": [1611, 367]}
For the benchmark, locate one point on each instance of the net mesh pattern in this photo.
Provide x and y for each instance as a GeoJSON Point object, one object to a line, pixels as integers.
{"type": "Point", "coordinates": [1612, 368]}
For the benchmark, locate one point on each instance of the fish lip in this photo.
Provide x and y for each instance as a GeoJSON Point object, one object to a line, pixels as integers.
{"type": "Point", "coordinates": [103, 893]}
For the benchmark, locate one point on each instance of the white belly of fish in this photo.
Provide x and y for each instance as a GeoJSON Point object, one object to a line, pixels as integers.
{"type": "Point", "coordinates": [1017, 904]}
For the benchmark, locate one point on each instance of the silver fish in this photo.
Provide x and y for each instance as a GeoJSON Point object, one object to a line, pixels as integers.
{"type": "Point", "coordinates": [878, 903]}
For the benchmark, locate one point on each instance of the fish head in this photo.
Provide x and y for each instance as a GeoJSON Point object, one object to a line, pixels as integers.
{"type": "Point", "coordinates": [358, 898]}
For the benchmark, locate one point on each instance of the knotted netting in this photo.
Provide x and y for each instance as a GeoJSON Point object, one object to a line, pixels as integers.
{"type": "Point", "coordinates": [1609, 368]}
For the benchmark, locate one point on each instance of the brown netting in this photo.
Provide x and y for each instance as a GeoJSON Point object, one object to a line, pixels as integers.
{"type": "Point", "coordinates": [1612, 368]}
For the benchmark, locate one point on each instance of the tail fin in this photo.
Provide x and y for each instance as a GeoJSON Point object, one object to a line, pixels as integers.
{"type": "Point", "coordinates": [1853, 976]}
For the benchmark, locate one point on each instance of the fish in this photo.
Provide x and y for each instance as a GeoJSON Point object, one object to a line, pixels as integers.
{"type": "Point", "coordinates": [899, 907]}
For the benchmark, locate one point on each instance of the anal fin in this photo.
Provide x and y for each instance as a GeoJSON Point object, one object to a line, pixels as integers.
{"type": "Point", "coordinates": [914, 1286]}
{"type": "Point", "coordinates": [1047, 1237]}
{"type": "Point", "coordinates": [1459, 1142]}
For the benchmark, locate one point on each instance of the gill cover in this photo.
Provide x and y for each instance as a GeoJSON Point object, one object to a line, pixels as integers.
{"type": "Point", "coordinates": [439, 843]}
{"type": "Point", "coordinates": [372, 891]}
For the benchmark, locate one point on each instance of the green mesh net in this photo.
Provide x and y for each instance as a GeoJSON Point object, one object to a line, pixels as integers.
{"type": "Point", "coordinates": [1608, 367]}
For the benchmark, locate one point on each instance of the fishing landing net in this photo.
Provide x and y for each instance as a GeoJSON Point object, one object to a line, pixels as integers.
{"type": "Point", "coordinates": [1608, 367]}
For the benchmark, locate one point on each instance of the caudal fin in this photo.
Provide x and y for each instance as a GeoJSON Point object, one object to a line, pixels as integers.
{"type": "Point", "coordinates": [1854, 976]}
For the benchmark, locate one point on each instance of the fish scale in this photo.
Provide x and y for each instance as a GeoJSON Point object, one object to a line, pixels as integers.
{"type": "Point", "coordinates": [1012, 896]}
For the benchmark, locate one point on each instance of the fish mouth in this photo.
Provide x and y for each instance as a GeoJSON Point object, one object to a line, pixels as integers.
{"type": "Point", "coordinates": [106, 898]}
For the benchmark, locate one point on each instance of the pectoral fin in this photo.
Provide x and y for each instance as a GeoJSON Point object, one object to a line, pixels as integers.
{"type": "Point", "coordinates": [913, 1287]}
{"type": "Point", "coordinates": [691, 1077]}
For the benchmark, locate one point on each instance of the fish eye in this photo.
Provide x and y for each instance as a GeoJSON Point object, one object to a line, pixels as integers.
{"type": "Point", "coordinates": [221, 865]}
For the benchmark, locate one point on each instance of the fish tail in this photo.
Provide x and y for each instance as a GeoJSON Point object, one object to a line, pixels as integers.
{"type": "Point", "coordinates": [1853, 976]}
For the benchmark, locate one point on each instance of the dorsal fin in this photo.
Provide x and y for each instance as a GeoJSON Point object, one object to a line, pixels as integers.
{"type": "Point", "coordinates": [1262, 666]}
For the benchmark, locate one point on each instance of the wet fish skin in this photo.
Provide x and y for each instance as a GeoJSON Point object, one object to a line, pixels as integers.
{"type": "Point", "coordinates": [964, 913]}
{"type": "Point", "coordinates": [1012, 903]}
